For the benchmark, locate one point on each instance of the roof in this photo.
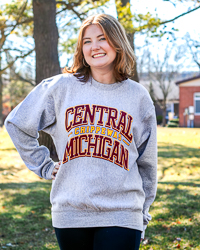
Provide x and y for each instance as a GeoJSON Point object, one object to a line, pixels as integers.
{"type": "Point", "coordinates": [189, 79]}
{"type": "Point", "coordinates": [173, 92]}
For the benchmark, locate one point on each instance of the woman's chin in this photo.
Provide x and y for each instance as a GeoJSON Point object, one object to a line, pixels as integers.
{"type": "Point", "coordinates": [101, 66]}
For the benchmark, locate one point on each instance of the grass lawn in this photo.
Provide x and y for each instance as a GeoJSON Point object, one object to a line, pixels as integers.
{"type": "Point", "coordinates": [25, 219]}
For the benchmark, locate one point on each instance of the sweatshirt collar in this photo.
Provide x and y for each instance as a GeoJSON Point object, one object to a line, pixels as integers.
{"type": "Point", "coordinates": [105, 86]}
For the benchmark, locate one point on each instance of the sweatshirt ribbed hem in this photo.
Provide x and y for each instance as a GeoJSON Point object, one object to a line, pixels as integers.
{"type": "Point", "coordinates": [78, 219]}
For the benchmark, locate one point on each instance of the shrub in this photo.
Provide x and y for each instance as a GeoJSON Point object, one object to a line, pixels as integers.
{"type": "Point", "coordinates": [174, 123]}
{"type": "Point", "coordinates": [176, 120]}
{"type": "Point", "coordinates": [159, 119]}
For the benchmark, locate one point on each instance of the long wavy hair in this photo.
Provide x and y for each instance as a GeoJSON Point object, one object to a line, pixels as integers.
{"type": "Point", "coordinates": [117, 39]}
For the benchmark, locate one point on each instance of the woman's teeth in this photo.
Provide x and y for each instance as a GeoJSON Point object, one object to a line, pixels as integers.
{"type": "Point", "coordinates": [98, 55]}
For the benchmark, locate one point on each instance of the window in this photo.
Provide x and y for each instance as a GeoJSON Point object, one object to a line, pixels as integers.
{"type": "Point", "coordinates": [197, 103]}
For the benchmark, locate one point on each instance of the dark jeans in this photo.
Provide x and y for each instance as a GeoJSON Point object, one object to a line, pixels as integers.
{"type": "Point", "coordinates": [98, 238]}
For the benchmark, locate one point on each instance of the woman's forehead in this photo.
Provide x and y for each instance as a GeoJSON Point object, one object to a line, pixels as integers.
{"type": "Point", "coordinates": [93, 29]}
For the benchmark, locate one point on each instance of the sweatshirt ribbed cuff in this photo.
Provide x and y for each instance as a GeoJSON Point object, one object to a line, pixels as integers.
{"type": "Point", "coordinates": [50, 170]}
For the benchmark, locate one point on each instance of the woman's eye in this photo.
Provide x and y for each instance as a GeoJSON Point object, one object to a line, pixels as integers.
{"type": "Point", "coordinates": [86, 42]}
{"type": "Point", "coordinates": [103, 38]}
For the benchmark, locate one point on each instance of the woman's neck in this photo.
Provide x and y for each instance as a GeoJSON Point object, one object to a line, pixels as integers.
{"type": "Point", "coordinates": [106, 77]}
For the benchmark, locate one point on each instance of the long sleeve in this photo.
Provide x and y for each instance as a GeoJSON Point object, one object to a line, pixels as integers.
{"type": "Point", "coordinates": [147, 162]}
{"type": "Point", "coordinates": [35, 113]}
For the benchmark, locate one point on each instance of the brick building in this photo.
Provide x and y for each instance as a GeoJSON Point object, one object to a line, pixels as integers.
{"type": "Point", "coordinates": [189, 102]}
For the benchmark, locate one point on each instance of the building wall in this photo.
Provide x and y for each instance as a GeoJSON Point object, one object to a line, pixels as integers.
{"type": "Point", "coordinates": [186, 99]}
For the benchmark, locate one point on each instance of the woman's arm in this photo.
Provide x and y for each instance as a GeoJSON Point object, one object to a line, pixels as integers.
{"type": "Point", "coordinates": [147, 162]}
{"type": "Point", "coordinates": [35, 113]}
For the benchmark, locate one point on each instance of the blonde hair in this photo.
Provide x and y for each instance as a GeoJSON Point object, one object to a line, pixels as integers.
{"type": "Point", "coordinates": [116, 37]}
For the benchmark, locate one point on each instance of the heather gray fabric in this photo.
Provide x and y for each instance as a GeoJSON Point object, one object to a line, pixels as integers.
{"type": "Point", "coordinates": [105, 136]}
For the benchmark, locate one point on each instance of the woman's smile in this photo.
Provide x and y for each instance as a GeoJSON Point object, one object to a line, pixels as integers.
{"type": "Point", "coordinates": [99, 55]}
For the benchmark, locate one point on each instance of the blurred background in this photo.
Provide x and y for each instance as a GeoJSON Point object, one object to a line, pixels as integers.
{"type": "Point", "coordinates": [37, 40]}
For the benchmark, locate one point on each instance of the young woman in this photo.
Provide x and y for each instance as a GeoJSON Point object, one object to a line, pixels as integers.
{"type": "Point", "coordinates": [104, 129]}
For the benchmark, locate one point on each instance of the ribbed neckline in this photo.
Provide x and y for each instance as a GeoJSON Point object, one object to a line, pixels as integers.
{"type": "Point", "coordinates": [104, 86]}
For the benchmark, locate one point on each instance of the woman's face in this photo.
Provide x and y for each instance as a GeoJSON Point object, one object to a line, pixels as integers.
{"type": "Point", "coordinates": [96, 50]}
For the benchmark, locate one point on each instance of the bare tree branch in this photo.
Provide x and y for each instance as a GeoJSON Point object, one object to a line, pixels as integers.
{"type": "Point", "coordinates": [70, 7]}
{"type": "Point", "coordinates": [28, 20]}
{"type": "Point", "coordinates": [170, 2]}
{"type": "Point", "coordinates": [13, 61]}
{"type": "Point", "coordinates": [25, 80]}
{"type": "Point", "coordinates": [9, 49]}
{"type": "Point", "coordinates": [2, 39]}
{"type": "Point", "coordinates": [193, 47]}
{"type": "Point", "coordinates": [183, 14]}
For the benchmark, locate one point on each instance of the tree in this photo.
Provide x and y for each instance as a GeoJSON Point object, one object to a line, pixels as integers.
{"type": "Point", "coordinates": [125, 18]}
{"type": "Point", "coordinates": [161, 75]}
{"type": "Point", "coordinates": [16, 89]}
{"type": "Point", "coordinates": [164, 81]}
{"type": "Point", "coordinates": [13, 18]}
{"type": "Point", "coordinates": [194, 49]}
{"type": "Point", "coordinates": [19, 84]}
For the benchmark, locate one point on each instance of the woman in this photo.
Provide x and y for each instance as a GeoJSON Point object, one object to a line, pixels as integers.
{"type": "Point", "coordinates": [104, 129]}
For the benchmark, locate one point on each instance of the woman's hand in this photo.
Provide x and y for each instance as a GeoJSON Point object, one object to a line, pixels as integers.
{"type": "Point", "coordinates": [55, 170]}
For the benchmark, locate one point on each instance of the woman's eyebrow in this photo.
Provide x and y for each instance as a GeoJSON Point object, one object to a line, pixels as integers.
{"type": "Point", "coordinates": [90, 38]}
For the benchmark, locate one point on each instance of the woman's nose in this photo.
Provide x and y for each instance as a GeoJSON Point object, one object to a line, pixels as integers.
{"type": "Point", "coordinates": [95, 46]}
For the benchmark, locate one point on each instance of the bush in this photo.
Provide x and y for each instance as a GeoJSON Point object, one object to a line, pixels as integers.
{"type": "Point", "coordinates": [174, 123]}
{"type": "Point", "coordinates": [159, 119]}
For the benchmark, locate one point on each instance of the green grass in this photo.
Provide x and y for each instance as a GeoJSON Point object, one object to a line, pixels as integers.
{"type": "Point", "coordinates": [176, 210]}
{"type": "Point", "coordinates": [25, 219]}
{"type": "Point", "coordinates": [25, 211]}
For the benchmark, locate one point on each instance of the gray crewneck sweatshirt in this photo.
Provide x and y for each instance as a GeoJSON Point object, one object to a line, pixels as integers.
{"type": "Point", "coordinates": [105, 136]}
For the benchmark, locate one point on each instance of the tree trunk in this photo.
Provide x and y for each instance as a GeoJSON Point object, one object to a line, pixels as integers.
{"type": "Point", "coordinates": [135, 76]}
{"type": "Point", "coordinates": [130, 36]}
{"type": "Point", "coordinates": [46, 39]}
{"type": "Point", "coordinates": [1, 102]}
{"type": "Point", "coordinates": [164, 112]}
{"type": "Point", "coordinates": [1, 98]}
{"type": "Point", "coordinates": [46, 48]}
